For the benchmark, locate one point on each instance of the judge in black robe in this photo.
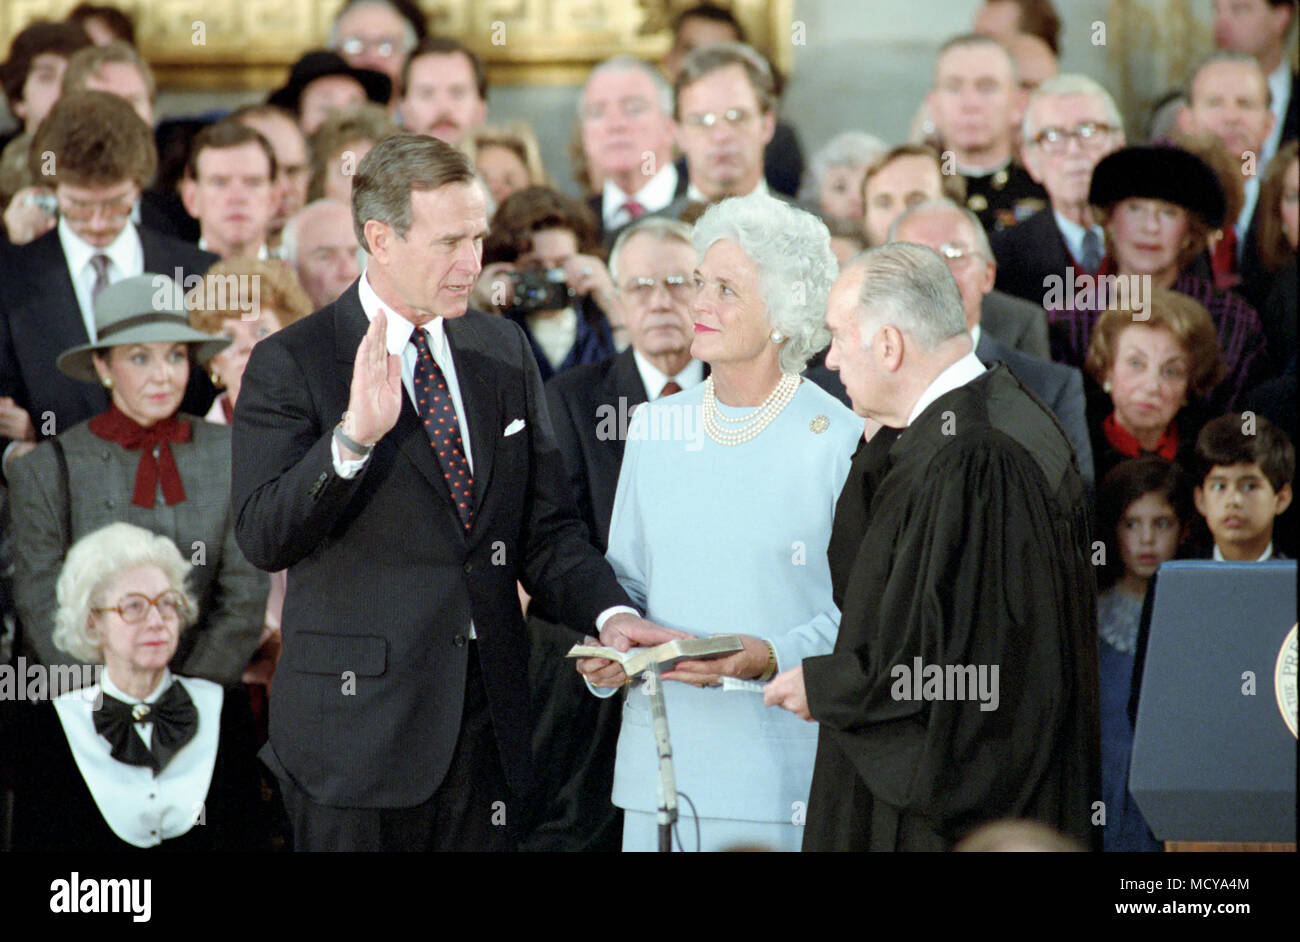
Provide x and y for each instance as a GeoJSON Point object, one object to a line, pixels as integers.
{"type": "Point", "coordinates": [968, 548]}
{"type": "Point", "coordinates": [959, 540]}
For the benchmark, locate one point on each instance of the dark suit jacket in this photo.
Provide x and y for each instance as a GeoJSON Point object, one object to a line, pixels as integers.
{"type": "Point", "coordinates": [383, 580]}
{"type": "Point", "coordinates": [1015, 322]}
{"type": "Point", "coordinates": [1029, 252]}
{"type": "Point", "coordinates": [596, 205]}
{"type": "Point", "coordinates": [580, 401]}
{"type": "Point", "coordinates": [40, 318]}
{"type": "Point", "coordinates": [1060, 388]}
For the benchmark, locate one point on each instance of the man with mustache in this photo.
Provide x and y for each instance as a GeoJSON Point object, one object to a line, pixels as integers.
{"type": "Point", "coordinates": [445, 91]}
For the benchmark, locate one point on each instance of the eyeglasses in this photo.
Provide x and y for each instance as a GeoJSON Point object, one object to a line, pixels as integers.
{"type": "Point", "coordinates": [134, 608]}
{"type": "Point", "coordinates": [119, 208]}
{"type": "Point", "coordinates": [733, 116]}
{"type": "Point", "coordinates": [384, 48]}
{"type": "Point", "coordinates": [953, 252]}
{"type": "Point", "coordinates": [1090, 134]}
{"type": "Point", "coordinates": [628, 107]}
{"type": "Point", "coordinates": [679, 287]}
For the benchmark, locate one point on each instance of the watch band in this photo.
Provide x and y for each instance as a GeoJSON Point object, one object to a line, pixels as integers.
{"type": "Point", "coordinates": [348, 443]}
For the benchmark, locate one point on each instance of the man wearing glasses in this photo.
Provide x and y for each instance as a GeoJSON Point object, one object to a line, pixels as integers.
{"type": "Point", "coordinates": [372, 34]}
{"type": "Point", "coordinates": [576, 734]}
{"type": "Point", "coordinates": [725, 99]}
{"type": "Point", "coordinates": [97, 154]}
{"type": "Point", "coordinates": [1070, 124]}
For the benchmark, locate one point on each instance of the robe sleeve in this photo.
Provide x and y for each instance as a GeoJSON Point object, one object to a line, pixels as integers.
{"type": "Point", "coordinates": [981, 572]}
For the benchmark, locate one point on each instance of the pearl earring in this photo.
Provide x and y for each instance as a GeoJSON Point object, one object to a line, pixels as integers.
{"type": "Point", "coordinates": [776, 336]}
{"type": "Point", "coordinates": [108, 382]}
{"type": "Point", "coordinates": [1105, 387]}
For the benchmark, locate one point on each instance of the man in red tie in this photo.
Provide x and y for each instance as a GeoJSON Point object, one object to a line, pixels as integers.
{"type": "Point", "coordinates": [627, 138]}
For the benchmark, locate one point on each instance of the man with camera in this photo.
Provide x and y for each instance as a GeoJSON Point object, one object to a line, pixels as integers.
{"type": "Point", "coordinates": [540, 268]}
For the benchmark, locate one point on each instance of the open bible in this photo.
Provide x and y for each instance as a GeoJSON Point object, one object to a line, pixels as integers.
{"type": "Point", "coordinates": [665, 655]}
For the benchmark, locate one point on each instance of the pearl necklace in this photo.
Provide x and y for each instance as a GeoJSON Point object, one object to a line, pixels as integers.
{"type": "Point", "coordinates": [750, 425]}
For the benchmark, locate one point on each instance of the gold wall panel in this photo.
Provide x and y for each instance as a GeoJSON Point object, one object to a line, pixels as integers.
{"type": "Point", "coordinates": [234, 44]}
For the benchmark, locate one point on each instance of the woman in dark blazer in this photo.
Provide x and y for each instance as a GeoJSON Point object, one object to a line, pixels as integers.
{"type": "Point", "coordinates": [143, 463]}
{"type": "Point", "coordinates": [143, 758]}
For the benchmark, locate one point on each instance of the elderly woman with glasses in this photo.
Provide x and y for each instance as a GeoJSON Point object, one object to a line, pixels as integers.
{"type": "Point", "coordinates": [142, 462]}
{"type": "Point", "coordinates": [143, 758]}
{"type": "Point", "coordinates": [720, 526]}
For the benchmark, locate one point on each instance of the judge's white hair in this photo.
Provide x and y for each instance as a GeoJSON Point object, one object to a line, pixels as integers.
{"type": "Point", "coordinates": [92, 563]}
{"type": "Point", "coordinates": [792, 251]}
{"type": "Point", "coordinates": [908, 286]}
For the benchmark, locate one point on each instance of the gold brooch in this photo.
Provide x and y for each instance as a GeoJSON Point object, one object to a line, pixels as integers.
{"type": "Point", "coordinates": [819, 424]}
{"type": "Point", "coordinates": [139, 712]}
{"type": "Point", "coordinates": [977, 203]}
{"type": "Point", "coordinates": [1000, 179]}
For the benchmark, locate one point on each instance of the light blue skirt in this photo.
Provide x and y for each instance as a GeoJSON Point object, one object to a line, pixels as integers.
{"type": "Point", "coordinates": [641, 833]}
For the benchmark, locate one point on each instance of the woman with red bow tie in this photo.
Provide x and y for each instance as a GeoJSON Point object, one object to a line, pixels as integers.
{"type": "Point", "coordinates": [144, 463]}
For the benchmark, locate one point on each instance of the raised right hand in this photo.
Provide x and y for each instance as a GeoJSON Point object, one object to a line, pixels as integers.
{"type": "Point", "coordinates": [375, 399]}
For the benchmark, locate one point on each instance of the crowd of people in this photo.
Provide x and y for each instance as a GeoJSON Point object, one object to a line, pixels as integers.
{"type": "Point", "coordinates": [338, 394]}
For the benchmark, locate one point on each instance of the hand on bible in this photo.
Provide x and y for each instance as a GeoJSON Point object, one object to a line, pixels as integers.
{"type": "Point", "coordinates": [624, 632]}
{"type": "Point", "coordinates": [746, 665]}
{"type": "Point", "coordinates": [788, 692]}
{"type": "Point", "coordinates": [375, 399]}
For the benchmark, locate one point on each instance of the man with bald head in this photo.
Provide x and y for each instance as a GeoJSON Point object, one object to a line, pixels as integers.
{"type": "Point", "coordinates": [320, 242]}
{"type": "Point", "coordinates": [962, 687]}
{"type": "Point", "coordinates": [975, 102]}
{"type": "Point", "coordinates": [956, 235]}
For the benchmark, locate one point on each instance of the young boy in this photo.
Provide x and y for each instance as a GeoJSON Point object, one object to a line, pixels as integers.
{"type": "Point", "coordinates": [1245, 482]}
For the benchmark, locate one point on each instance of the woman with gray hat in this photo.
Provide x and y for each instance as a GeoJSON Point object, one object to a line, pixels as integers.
{"type": "Point", "coordinates": [144, 463]}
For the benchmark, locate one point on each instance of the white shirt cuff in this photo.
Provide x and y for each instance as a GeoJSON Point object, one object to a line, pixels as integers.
{"type": "Point", "coordinates": [609, 613]}
{"type": "Point", "coordinates": [343, 467]}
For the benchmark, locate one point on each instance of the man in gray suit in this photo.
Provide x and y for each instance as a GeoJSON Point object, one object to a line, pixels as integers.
{"type": "Point", "coordinates": [956, 234]}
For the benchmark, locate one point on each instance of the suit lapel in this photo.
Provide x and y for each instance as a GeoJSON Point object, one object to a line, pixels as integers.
{"type": "Point", "coordinates": [480, 398]}
{"type": "Point", "coordinates": [626, 382]}
{"type": "Point", "coordinates": [408, 434]}
{"type": "Point", "coordinates": [54, 321]}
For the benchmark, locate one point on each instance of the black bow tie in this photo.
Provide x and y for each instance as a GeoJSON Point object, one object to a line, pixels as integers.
{"type": "Point", "coordinates": [174, 720]}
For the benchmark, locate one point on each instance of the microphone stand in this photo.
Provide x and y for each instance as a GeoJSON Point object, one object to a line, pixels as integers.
{"type": "Point", "coordinates": [667, 780]}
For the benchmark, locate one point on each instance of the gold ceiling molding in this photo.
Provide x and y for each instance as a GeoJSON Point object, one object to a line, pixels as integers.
{"type": "Point", "coordinates": [241, 44]}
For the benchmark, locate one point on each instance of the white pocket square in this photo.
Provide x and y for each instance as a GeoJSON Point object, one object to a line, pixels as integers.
{"type": "Point", "coordinates": [513, 427]}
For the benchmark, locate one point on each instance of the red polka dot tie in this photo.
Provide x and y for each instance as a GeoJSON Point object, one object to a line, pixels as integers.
{"type": "Point", "coordinates": [438, 413]}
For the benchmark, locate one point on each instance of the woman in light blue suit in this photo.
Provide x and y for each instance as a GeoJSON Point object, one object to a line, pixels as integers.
{"type": "Point", "coordinates": [720, 526]}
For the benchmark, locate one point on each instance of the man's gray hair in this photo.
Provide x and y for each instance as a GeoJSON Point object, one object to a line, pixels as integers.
{"type": "Point", "coordinates": [92, 563]}
{"type": "Point", "coordinates": [978, 236]}
{"type": "Point", "coordinates": [289, 234]}
{"type": "Point", "coordinates": [850, 149]}
{"type": "Point", "coordinates": [626, 63]}
{"type": "Point", "coordinates": [660, 228]}
{"type": "Point", "coordinates": [909, 287]}
{"type": "Point", "coordinates": [1227, 55]}
{"type": "Point", "coordinates": [1066, 84]}
{"type": "Point", "coordinates": [979, 40]}
{"type": "Point", "coordinates": [409, 37]}
{"type": "Point", "coordinates": [395, 167]}
{"type": "Point", "coordinates": [791, 249]}
{"type": "Point", "coordinates": [706, 60]}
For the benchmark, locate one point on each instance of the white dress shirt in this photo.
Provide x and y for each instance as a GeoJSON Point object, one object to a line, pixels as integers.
{"type": "Point", "coordinates": [693, 193]}
{"type": "Point", "coordinates": [1250, 190]}
{"type": "Point", "coordinates": [1073, 234]}
{"type": "Point", "coordinates": [262, 252]}
{"type": "Point", "coordinates": [655, 195]}
{"type": "Point", "coordinates": [654, 380]}
{"type": "Point", "coordinates": [139, 807]}
{"type": "Point", "coordinates": [1268, 554]}
{"type": "Point", "coordinates": [125, 260]}
{"type": "Point", "coordinates": [555, 334]}
{"type": "Point", "coordinates": [958, 374]}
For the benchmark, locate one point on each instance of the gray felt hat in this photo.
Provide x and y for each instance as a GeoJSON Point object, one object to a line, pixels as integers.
{"type": "Point", "coordinates": [144, 309]}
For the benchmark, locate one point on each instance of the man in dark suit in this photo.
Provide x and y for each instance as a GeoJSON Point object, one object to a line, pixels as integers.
{"type": "Point", "coordinates": [626, 114]}
{"type": "Point", "coordinates": [956, 235]}
{"type": "Point", "coordinates": [100, 153]}
{"type": "Point", "coordinates": [393, 451]}
{"type": "Point", "coordinates": [1261, 28]}
{"type": "Point", "coordinates": [1070, 124]}
{"type": "Point", "coordinates": [590, 406]}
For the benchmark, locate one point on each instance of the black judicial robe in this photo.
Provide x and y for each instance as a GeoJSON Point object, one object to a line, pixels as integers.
{"type": "Point", "coordinates": [961, 540]}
